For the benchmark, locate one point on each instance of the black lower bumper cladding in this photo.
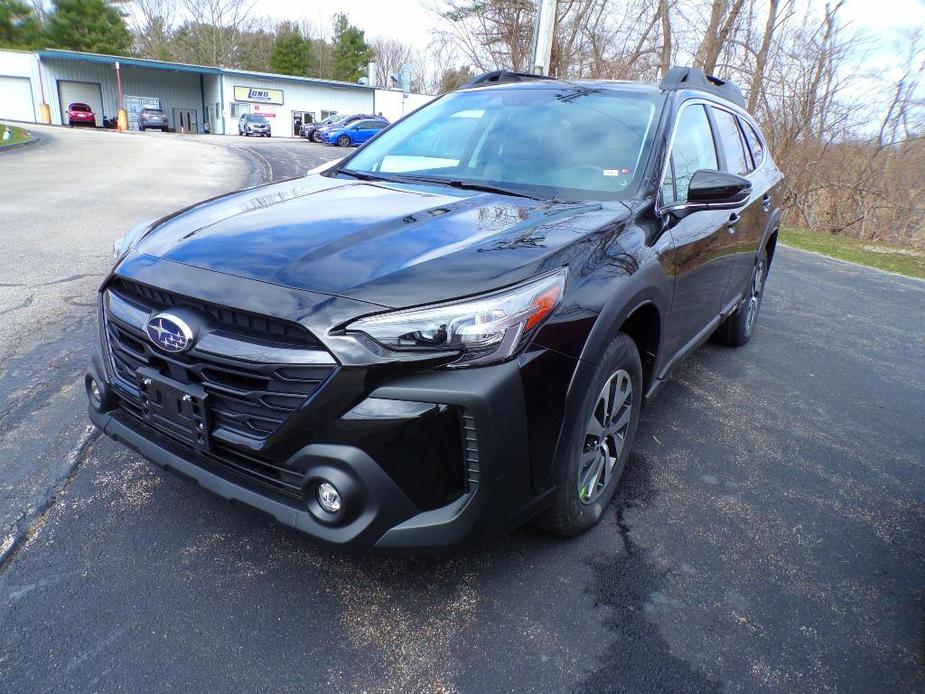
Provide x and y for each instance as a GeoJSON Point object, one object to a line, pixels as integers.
{"type": "Point", "coordinates": [376, 514]}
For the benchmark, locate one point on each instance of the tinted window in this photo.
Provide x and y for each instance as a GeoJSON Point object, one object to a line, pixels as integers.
{"type": "Point", "coordinates": [727, 126]}
{"type": "Point", "coordinates": [79, 107]}
{"type": "Point", "coordinates": [692, 149]}
{"type": "Point", "coordinates": [523, 140]}
{"type": "Point", "coordinates": [754, 142]}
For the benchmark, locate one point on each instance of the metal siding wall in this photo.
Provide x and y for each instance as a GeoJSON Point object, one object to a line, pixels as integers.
{"type": "Point", "coordinates": [211, 85]}
{"type": "Point", "coordinates": [300, 96]}
{"type": "Point", "coordinates": [174, 89]}
{"type": "Point", "coordinates": [104, 75]}
{"type": "Point", "coordinates": [394, 104]}
{"type": "Point", "coordinates": [23, 64]}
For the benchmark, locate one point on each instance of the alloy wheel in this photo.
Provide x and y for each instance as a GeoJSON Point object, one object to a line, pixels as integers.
{"type": "Point", "coordinates": [605, 436]}
{"type": "Point", "coordinates": [754, 301]}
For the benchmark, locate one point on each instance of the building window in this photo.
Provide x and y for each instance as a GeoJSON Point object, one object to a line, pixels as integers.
{"type": "Point", "coordinates": [327, 114]}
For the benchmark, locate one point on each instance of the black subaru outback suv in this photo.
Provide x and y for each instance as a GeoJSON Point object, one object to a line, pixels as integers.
{"type": "Point", "coordinates": [453, 330]}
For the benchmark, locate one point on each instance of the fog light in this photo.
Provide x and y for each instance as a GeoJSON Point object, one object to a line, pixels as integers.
{"type": "Point", "coordinates": [96, 397]}
{"type": "Point", "coordinates": [328, 497]}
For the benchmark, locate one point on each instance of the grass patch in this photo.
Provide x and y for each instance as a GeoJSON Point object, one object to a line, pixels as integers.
{"type": "Point", "coordinates": [17, 135]}
{"type": "Point", "coordinates": [883, 256]}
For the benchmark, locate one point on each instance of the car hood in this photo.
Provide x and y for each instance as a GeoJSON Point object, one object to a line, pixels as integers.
{"type": "Point", "coordinates": [391, 244]}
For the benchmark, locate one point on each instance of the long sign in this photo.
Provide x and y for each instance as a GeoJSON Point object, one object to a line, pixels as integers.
{"type": "Point", "coordinates": [258, 95]}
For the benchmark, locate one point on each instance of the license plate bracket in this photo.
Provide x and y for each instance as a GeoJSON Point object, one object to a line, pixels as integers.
{"type": "Point", "coordinates": [180, 409]}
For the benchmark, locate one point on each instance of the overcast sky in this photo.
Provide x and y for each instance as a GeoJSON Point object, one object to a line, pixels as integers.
{"type": "Point", "coordinates": [411, 22]}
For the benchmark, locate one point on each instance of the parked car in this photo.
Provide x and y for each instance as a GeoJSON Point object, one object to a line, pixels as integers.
{"type": "Point", "coordinates": [80, 114]}
{"type": "Point", "coordinates": [308, 129]}
{"type": "Point", "coordinates": [254, 124]}
{"type": "Point", "coordinates": [320, 133]}
{"type": "Point", "coordinates": [355, 134]}
{"type": "Point", "coordinates": [453, 330]}
{"type": "Point", "coordinates": [152, 119]}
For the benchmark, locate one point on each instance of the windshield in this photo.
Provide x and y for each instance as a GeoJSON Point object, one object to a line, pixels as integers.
{"type": "Point", "coordinates": [153, 112]}
{"type": "Point", "coordinates": [256, 119]}
{"type": "Point", "coordinates": [562, 141]}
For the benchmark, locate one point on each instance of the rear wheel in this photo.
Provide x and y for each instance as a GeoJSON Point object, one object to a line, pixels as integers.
{"type": "Point", "coordinates": [599, 442]}
{"type": "Point", "coordinates": [737, 329]}
{"type": "Point", "coordinates": [343, 141]}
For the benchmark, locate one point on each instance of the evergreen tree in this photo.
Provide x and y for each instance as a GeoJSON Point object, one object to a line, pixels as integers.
{"type": "Point", "coordinates": [88, 25]}
{"type": "Point", "coordinates": [351, 52]}
{"type": "Point", "coordinates": [19, 27]}
{"type": "Point", "coordinates": [290, 54]}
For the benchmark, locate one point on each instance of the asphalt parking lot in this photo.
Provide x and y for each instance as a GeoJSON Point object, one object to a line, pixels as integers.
{"type": "Point", "coordinates": [769, 534]}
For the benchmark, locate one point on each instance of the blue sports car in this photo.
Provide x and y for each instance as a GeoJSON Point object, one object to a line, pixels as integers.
{"type": "Point", "coordinates": [356, 133]}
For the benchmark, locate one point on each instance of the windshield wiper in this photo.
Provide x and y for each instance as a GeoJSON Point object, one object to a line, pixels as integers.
{"type": "Point", "coordinates": [466, 185]}
{"type": "Point", "coordinates": [362, 175]}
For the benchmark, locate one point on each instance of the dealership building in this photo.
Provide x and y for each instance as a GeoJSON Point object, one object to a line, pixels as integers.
{"type": "Point", "coordinates": [196, 98]}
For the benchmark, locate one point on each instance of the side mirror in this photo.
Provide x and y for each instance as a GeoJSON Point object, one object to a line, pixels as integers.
{"type": "Point", "coordinates": [717, 190]}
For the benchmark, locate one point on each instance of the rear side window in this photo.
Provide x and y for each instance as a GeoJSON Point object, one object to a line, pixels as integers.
{"type": "Point", "coordinates": [727, 126]}
{"type": "Point", "coordinates": [692, 149]}
{"type": "Point", "coordinates": [754, 142]}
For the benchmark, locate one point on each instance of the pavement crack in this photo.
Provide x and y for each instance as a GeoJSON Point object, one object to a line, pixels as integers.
{"type": "Point", "coordinates": [31, 522]}
{"type": "Point", "coordinates": [25, 304]}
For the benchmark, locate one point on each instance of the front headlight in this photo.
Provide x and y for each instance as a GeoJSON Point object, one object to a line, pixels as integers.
{"type": "Point", "coordinates": [485, 329]}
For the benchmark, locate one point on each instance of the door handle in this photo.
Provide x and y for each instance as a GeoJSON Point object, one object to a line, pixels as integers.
{"type": "Point", "coordinates": [732, 221]}
{"type": "Point", "coordinates": [766, 203]}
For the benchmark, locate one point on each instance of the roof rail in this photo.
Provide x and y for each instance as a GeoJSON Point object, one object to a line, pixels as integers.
{"type": "Point", "coordinates": [501, 77]}
{"type": "Point", "coordinates": [695, 78]}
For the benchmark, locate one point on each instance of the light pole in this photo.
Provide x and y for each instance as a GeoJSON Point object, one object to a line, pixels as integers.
{"type": "Point", "coordinates": [543, 27]}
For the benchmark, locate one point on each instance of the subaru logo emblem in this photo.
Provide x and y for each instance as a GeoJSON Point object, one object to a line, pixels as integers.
{"type": "Point", "coordinates": [169, 333]}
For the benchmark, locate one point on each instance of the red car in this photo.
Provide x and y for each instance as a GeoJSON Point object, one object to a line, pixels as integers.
{"type": "Point", "coordinates": [80, 114]}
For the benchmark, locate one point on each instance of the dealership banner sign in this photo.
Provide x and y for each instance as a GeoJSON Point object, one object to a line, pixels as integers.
{"type": "Point", "coordinates": [258, 95]}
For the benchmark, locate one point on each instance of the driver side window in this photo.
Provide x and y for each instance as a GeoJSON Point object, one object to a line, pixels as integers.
{"type": "Point", "coordinates": [693, 149]}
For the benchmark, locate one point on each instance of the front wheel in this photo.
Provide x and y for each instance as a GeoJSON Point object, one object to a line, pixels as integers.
{"type": "Point", "coordinates": [737, 329]}
{"type": "Point", "coordinates": [594, 454]}
{"type": "Point", "coordinates": [343, 141]}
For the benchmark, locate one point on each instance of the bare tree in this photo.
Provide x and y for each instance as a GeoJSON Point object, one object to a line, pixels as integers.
{"type": "Point", "coordinates": [724, 16]}
{"type": "Point", "coordinates": [217, 25]}
{"type": "Point", "coordinates": [391, 56]}
{"type": "Point", "coordinates": [151, 23]}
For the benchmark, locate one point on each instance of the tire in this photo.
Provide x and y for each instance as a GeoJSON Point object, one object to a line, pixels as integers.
{"type": "Point", "coordinates": [141, 128]}
{"type": "Point", "coordinates": [737, 329]}
{"type": "Point", "coordinates": [581, 495]}
{"type": "Point", "coordinates": [316, 137]}
{"type": "Point", "coordinates": [343, 141]}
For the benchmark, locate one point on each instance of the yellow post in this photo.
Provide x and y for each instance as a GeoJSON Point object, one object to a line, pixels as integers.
{"type": "Point", "coordinates": [122, 120]}
{"type": "Point", "coordinates": [44, 114]}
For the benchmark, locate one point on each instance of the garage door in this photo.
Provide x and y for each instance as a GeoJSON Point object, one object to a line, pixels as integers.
{"type": "Point", "coordinates": [16, 99]}
{"type": "Point", "coordinates": [84, 92]}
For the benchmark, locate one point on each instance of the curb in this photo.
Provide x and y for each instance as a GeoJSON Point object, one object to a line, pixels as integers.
{"type": "Point", "coordinates": [33, 139]}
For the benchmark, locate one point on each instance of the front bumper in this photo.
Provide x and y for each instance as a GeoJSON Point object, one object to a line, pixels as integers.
{"type": "Point", "coordinates": [379, 514]}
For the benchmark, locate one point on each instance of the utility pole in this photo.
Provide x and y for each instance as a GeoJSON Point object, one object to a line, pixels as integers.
{"type": "Point", "coordinates": [543, 26]}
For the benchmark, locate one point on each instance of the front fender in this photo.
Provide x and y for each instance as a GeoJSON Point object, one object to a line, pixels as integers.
{"type": "Point", "coordinates": [598, 310]}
